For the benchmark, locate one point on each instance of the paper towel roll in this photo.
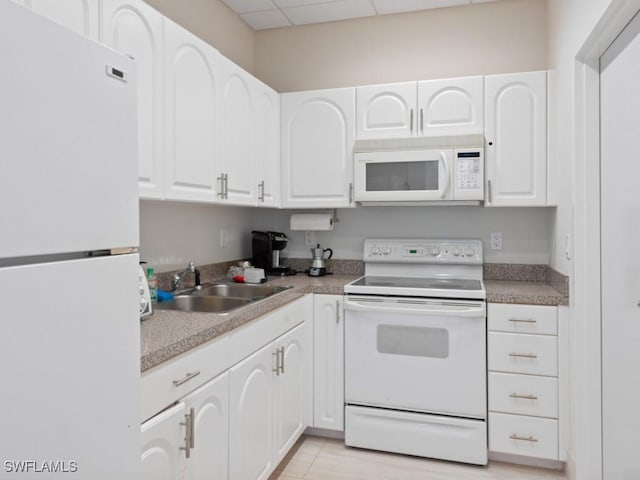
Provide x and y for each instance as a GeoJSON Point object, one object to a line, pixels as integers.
{"type": "Point", "coordinates": [311, 221]}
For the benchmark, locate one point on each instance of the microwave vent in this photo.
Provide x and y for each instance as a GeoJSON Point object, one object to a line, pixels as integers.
{"type": "Point", "coordinates": [419, 143]}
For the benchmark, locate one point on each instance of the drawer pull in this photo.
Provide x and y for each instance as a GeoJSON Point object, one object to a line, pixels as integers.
{"type": "Point", "coordinates": [526, 439]}
{"type": "Point", "coordinates": [523, 355]}
{"type": "Point", "coordinates": [525, 397]}
{"type": "Point", "coordinates": [523, 320]}
{"type": "Point", "coordinates": [189, 376]}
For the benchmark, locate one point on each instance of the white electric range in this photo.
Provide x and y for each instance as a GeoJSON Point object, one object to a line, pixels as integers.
{"type": "Point", "coordinates": [415, 350]}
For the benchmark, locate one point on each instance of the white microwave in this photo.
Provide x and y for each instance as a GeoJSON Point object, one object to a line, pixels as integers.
{"type": "Point", "coordinates": [420, 176]}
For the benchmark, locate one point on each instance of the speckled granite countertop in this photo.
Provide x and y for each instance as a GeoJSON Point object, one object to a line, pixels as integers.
{"type": "Point", "coordinates": [167, 334]}
{"type": "Point", "coordinates": [532, 293]}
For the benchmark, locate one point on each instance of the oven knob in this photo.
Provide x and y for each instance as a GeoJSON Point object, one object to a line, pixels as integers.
{"type": "Point", "coordinates": [434, 252]}
{"type": "Point", "coordinates": [386, 250]}
{"type": "Point", "coordinates": [375, 251]}
{"type": "Point", "coordinates": [469, 252]}
{"type": "Point", "coordinates": [457, 252]}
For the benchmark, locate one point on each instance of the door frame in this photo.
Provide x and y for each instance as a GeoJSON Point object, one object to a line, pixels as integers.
{"type": "Point", "coordinates": [586, 385]}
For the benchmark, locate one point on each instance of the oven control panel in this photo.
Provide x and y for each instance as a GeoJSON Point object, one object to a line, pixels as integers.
{"type": "Point", "coordinates": [423, 251]}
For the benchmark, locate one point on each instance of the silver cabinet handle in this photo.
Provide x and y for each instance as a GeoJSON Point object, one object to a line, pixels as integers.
{"type": "Point", "coordinates": [277, 355]}
{"type": "Point", "coordinates": [490, 191]}
{"type": "Point", "coordinates": [189, 424]}
{"type": "Point", "coordinates": [526, 439]}
{"type": "Point", "coordinates": [421, 121]}
{"type": "Point", "coordinates": [350, 193]}
{"type": "Point", "coordinates": [281, 349]}
{"type": "Point", "coordinates": [523, 320]}
{"type": "Point", "coordinates": [261, 191]}
{"type": "Point", "coordinates": [411, 121]}
{"type": "Point", "coordinates": [221, 192]}
{"type": "Point", "coordinates": [524, 397]}
{"type": "Point", "coordinates": [337, 311]}
{"type": "Point", "coordinates": [523, 355]}
{"type": "Point", "coordinates": [226, 185]}
{"type": "Point", "coordinates": [189, 376]}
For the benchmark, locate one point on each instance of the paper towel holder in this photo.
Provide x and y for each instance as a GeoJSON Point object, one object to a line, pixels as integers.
{"type": "Point", "coordinates": [314, 221]}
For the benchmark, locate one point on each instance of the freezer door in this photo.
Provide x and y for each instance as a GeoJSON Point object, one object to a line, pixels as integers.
{"type": "Point", "coordinates": [70, 360]}
{"type": "Point", "coordinates": [68, 168]}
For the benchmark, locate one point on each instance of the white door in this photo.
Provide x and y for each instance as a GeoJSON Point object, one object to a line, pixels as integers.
{"type": "Point", "coordinates": [515, 131]}
{"type": "Point", "coordinates": [416, 354]}
{"type": "Point", "coordinates": [81, 16]}
{"type": "Point", "coordinates": [135, 29]}
{"type": "Point", "coordinates": [163, 436]}
{"type": "Point", "coordinates": [317, 129]}
{"type": "Point", "coordinates": [386, 111]}
{"type": "Point", "coordinates": [452, 106]}
{"type": "Point", "coordinates": [70, 351]}
{"type": "Point", "coordinates": [251, 450]}
{"type": "Point", "coordinates": [620, 258]}
{"type": "Point", "coordinates": [328, 365]}
{"type": "Point", "coordinates": [291, 394]}
{"type": "Point", "coordinates": [68, 166]}
{"type": "Point", "coordinates": [238, 137]}
{"type": "Point", "coordinates": [268, 142]}
{"type": "Point", "coordinates": [209, 456]}
{"type": "Point", "coordinates": [191, 83]}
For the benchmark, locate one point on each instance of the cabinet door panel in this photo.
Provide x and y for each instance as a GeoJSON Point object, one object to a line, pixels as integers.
{"type": "Point", "coordinates": [291, 395]}
{"type": "Point", "coordinates": [317, 138]}
{"type": "Point", "coordinates": [453, 106]}
{"type": "Point", "coordinates": [386, 110]}
{"type": "Point", "coordinates": [238, 135]}
{"type": "Point", "coordinates": [328, 351]}
{"type": "Point", "coordinates": [209, 458]}
{"type": "Point", "coordinates": [162, 437]}
{"type": "Point", "coordinates": [251, 416]}
{"type": "Point", "coordinates": [268, 142]}
{"type": "Point", "coordinates": [515, 129]}
{"type": "Point", "coordinates": [191, 83]}
{"type": "Point", "coordinates": [133, 28]}
{"type": "Point", "coordinates": [81, 16]}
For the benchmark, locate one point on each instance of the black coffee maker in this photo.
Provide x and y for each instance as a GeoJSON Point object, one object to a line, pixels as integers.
{"type": "Point", "coordinates": [266, 247]}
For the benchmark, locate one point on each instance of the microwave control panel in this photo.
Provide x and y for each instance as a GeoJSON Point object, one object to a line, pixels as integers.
{"type": "Point", "coordinates": [468, 174]}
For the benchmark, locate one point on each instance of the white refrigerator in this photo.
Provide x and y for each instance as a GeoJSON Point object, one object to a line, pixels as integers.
{"type": "Point", "coordinates": [69, 316]}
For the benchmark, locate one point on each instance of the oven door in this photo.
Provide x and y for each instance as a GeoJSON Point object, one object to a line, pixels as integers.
{"type": "Point", "coordinates": [422, 175]}
{"type": "Point", "coordinates": [416, 354]}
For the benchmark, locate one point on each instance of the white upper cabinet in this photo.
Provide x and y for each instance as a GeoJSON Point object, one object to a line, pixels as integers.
{"type": "Point", "coordinates": [268, 146]}
{"type": "Point", "coordinates": [133, 28]}
{"type": "Point", "coordinates": [191, 84]}
{"type": "Point", "coordinates": [453, 106]}
{"type": "Point", "coordinates": [317, 129]}
{"type": "Point", "coordinates": [238, 124]}
{"type": "Point", "coordinates": [385, 111]}
{"type": "Point", "coordinates": [81, 16]}
{"type": "Point", "coordinates": [516, 136]}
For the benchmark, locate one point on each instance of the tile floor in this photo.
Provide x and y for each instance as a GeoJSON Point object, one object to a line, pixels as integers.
{"type": "Point", "coordinates": [316, 458]}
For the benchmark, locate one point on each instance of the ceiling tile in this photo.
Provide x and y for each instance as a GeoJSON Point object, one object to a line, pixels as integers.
{"type": "Point", "coordinates": [245, 6]}
{"type": "Point", "coordinates": [329, 12]}
{"type": "Point", "coordinates": [298, 3]}
{"type": "Point", "coordinates": [384, 7]}
{"type": "Point", "coordinates": [266, 19]}
{"type": "Point", "coordinates": [482, 1]}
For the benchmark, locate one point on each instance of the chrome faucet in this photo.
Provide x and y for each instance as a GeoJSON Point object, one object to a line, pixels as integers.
{"type": "Point", "coordinates": [178, 277]}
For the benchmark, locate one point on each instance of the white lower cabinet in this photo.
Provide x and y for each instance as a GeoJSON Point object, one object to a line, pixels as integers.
{"type": "Point", "coordinates": [328, 365]}
{"type": "Point", "coordinates": [523, 380]}
{"type": "Point", "coordinates": [162, 438]}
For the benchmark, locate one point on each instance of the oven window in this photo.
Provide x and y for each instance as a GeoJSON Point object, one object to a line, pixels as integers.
{"type": "Point", "coordinates": [413, 341]}
{"type": "Point", "coordinates": [399, 176]}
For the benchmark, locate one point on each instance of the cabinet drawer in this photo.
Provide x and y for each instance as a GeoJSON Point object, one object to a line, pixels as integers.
{"type": "Point", "coordinates": [520, 353]}
{"type": "Point", "coordinates": [538, 319]}
{"type": "Point", "coordinates": [172, 380]}
{"type": "Point", "coordinates": [523, 394]}
{"type": "Point", "coordinates": [522, 435]}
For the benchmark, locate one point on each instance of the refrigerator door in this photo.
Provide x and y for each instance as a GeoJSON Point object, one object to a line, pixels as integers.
{"type": "Point", "coordinates": [68, 179]}
{"type": "Point", "coordinates": [70, 357]}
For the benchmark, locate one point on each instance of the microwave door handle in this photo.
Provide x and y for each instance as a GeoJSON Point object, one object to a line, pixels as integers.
{"type": "Point", "coordinates": [461, 311]}
{"type": "Point", "coordinates": [444, 176]}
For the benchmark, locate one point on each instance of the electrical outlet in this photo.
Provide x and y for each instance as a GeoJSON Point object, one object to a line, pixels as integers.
{"type": "Point", "coordinates": [310, 239]}
{"type": "Point", "coordinates": [496, 241]}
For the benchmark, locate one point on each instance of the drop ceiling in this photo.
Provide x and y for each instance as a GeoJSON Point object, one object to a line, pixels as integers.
{"type": "Point", "coordinates": [264, 14]}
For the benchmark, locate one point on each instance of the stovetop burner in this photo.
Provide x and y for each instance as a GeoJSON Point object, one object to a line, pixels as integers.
{"type": "Point", "coordinates": [426, 283]}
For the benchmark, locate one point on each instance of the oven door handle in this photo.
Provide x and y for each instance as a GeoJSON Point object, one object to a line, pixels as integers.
{"type": "Point", "coordinates": [475, 310]}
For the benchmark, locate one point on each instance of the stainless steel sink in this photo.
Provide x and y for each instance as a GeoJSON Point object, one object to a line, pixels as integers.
{"type": "Point", "coordinates": [206, 303]}
{"type": "Point", "coordinates": [240, 290]}
{"type": "Point", "coordinates": [220, 297]}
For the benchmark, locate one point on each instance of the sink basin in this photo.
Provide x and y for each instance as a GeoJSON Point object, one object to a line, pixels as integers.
{"type": "Point", "coordinates": [240, 290]}
{"type": "Point", "coordinates": [203, 303]}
